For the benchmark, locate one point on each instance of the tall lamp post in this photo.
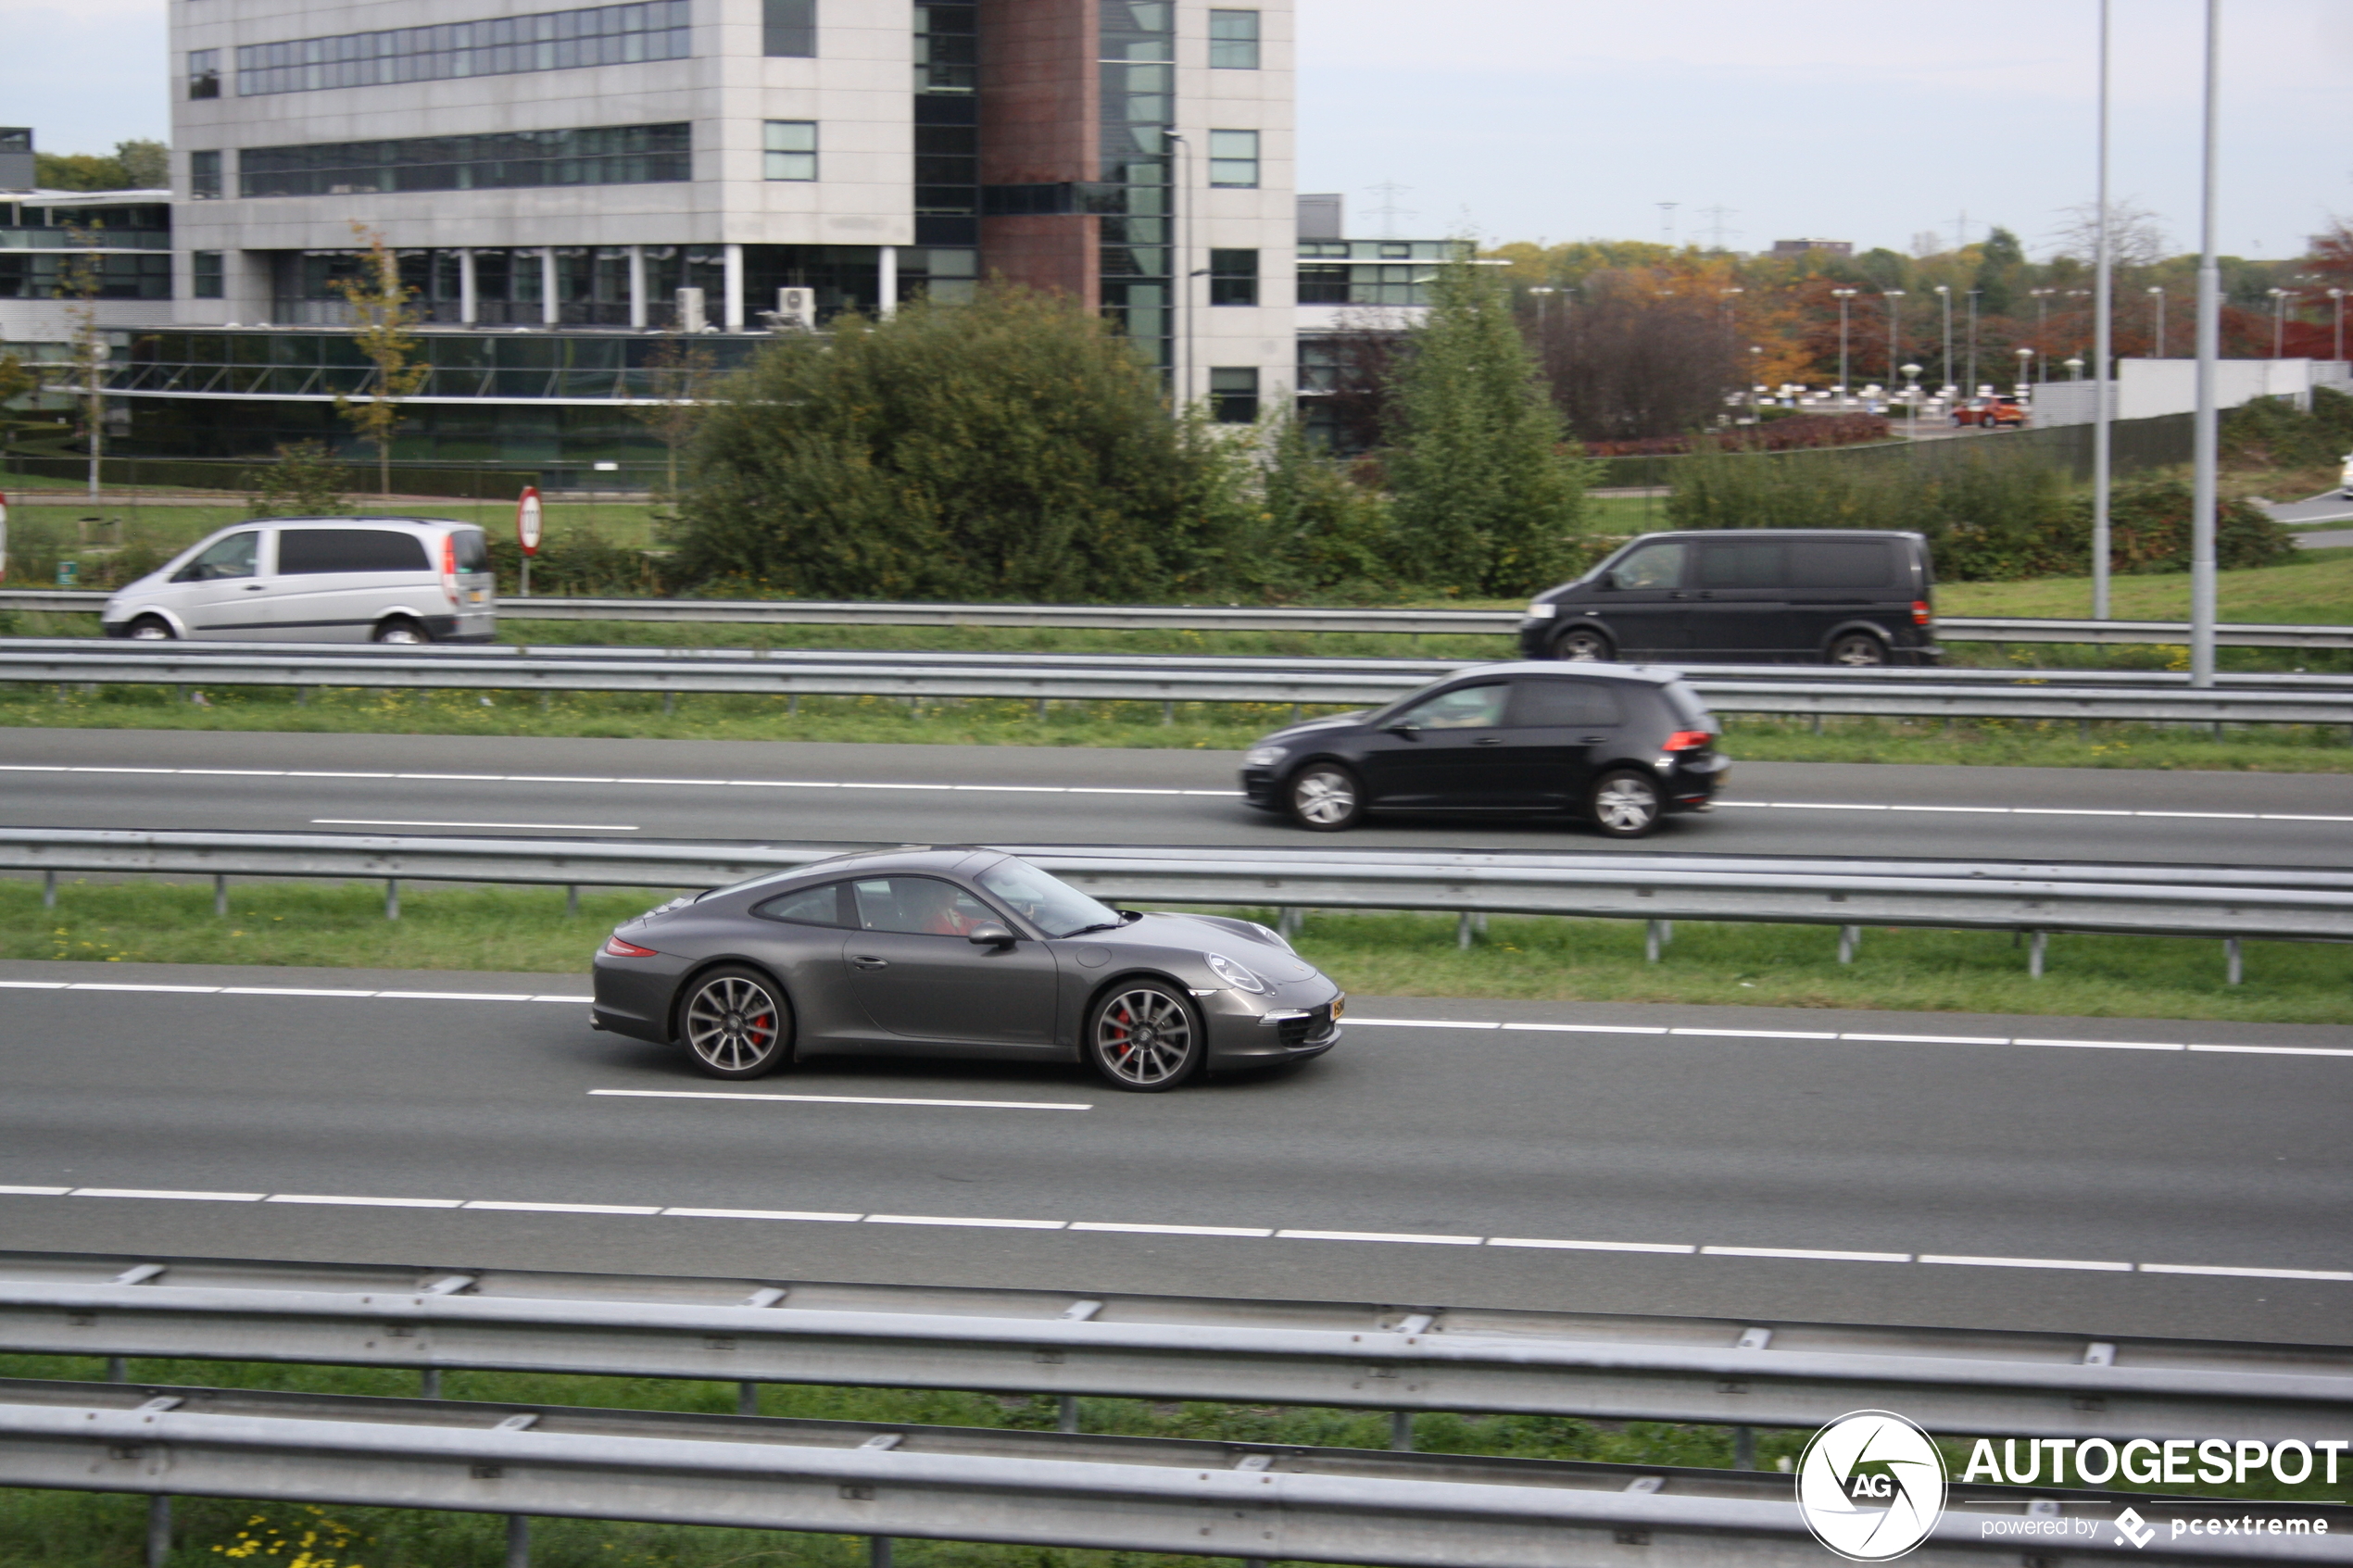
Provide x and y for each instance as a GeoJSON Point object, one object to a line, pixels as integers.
{"type": "Point", "coordinates": [1911, 374]}
{"type": "Point", "coordinates": [2338, 296]}
{"type": "Point", "coordinates": [1972, 341]}
{"type": "Point", "coordinates": [2103, 384]}
{"type": "Point", "coordinates": [1894, 350]}
{"type": "Point", "coordinates": [2025, 369]}
{"type": "Point", "coordinates": [2279, 318]}
{"type": "Point", "coordinates": [2159, 295]}
{"type": "Point", "coordinates": [1844, 298]}
{"type": "Point", "coordinates": [1944, 366]}
{"type": "Point", "coordinates": [2206, 429]}
{"type": "Point", "coordinates": [2041, 298]}
{"type": "Point", "coordinates": [1756, 387]}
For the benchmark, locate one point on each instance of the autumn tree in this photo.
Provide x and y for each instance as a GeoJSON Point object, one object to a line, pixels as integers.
{"type": "Point", "coordinates": [384, 319]}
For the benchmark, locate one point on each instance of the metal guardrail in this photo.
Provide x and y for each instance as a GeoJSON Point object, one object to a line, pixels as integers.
{"type": "Point", "coordinates": [1250, 618]}
{"type": "Point", "coordinates": [1027, 678]}
{"type": "Point", "coordinates": [1257, 1502]}
{"type": "Point", "coordinates": [1723, 1371]}
{"type": "Point", "coordinates": [2229, 903]}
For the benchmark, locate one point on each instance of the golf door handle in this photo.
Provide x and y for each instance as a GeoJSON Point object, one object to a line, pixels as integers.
{"type": "Point", "coordinates": [1590, 740]}
{"type": "Point", "coordinates": [1489, 740]}
{"type": "Point", "coordinates": [867, 960]}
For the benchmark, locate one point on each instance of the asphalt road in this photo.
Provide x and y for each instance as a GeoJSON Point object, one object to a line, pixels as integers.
{"type": "Point", "coordinates": [1999, 1184]}
{"type": "Point", "coordinates": [947, 794]}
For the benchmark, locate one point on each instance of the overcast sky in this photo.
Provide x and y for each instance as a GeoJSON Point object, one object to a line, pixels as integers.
{"type": "Point", "coordinates": [1573, 119]}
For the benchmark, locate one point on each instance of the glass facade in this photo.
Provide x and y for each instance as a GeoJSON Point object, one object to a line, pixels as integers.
{"type": "Point", "coordinates": [1233, 40]}
{"type": "Point", "coordinates": [1380, 272]}
{"type": "Point", "coordinates": [1233, 277]}
{"type": "Point", "coordinates": [603, 35]}
{"type": "Point", "coordinates": [788, 29]}
{"type": "Point", "coordinates": [603, 154]}
{"type": "Point", "coordinates": [791, 147]}
{"type": "Point", "coordinates": [947, 125]}
{"type": "Point", "coordinates": [204, 176]}
{"type": "Point", "coordinates": [204, 73]}
{"type": "Point", "coordinates": [206, 279]}
{"type": "Point", "coordinates": [1139, 106]}
{"type": "Point", "coordinates": [47, 274]}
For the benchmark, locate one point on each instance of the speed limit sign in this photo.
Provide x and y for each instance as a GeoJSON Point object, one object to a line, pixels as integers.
{"type": "Point", "coordinates": [527, 521]}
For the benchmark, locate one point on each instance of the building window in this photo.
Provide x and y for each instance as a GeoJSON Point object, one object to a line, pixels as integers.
{"type": "Point", "coordinates": [204, 176]}
{"type": "Point", "coordinates": [1233, 40]}
{"type": "Point", "coordinates": [947, 48]}
{"type": "Point", "coordinates": [1233, 394]}
{"type": "Point", "coordinates": [205, 280]}
{"type": "Point", "coordinates": [792, 149]}
{"type": "Point", "coordinates": [605, 36]}
{"type": "Point", "coordinates": [1233, 158]}
{"type": "Point", "coordinates": [788, 29]}
{"type": "Point", "coordinates": [1233, 277]}
{"type": "Point", "coordinates": [596, 155]}
{"type": "Point", "coordinates": [204, 73]}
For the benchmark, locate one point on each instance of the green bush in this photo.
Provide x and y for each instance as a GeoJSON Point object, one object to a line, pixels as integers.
{"type": "Point", "coordinates": [2273, 433]}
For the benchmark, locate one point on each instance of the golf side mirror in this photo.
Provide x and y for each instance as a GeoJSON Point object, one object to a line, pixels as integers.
{"type": "Point", "coordinates": [988, 934]}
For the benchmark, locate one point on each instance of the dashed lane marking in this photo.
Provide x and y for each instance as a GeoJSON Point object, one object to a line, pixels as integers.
{"type": "Point", "coordinates": [850, 1099]}
{"type": "Point", "coordinates": [1248, 1233]}
{"type": "Point", "coordinates": [529, 827]}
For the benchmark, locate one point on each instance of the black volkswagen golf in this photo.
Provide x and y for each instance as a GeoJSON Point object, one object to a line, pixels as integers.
{"type": "Point", "coordinates": [1618, 746]}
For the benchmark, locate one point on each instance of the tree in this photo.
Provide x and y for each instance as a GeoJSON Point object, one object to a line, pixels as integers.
{"type": "Point", "coordinates": [2136, 235]}
{"type": "Point", "coordinates": [81, 277]}
{"type": "Point", "coordinates": [1008, 449]}
{"type": "Point", "coordinates": [383, 317]}
{"type": "Point", "coordinates": [1628, 360]}
{"type": "Point", "coordinates": [301, 480]}
{"type": "Point", "coordinates": [17, 380]}
{"type": "Point", "coordinates": [678, 374]}
{"type": "Point", "coordinates": [147, 166]}
{"type": "Point", "coordinates": [1487, 499]}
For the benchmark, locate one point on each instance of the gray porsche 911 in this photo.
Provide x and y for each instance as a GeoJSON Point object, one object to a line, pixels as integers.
{"type": "Point", "coordinates": [963, 952]}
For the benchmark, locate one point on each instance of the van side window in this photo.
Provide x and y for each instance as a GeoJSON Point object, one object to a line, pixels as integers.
{"type": "Point", "coordinates": [1563, 705]}
{"type": "Point", "coordinates": [1748, 563]}
{"type": "Point", "coordinates": [1845, 563]}
{"type": "Point", "coordinates": [232, 556]}
{"type": "Point", "coordinates": [309, 551]}
{"type": "Point", "coordinates": [1653, 566]}
{"type": "Point", "coordinates": [804, 906]}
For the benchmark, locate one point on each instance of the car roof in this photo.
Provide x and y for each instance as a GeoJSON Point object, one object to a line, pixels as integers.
{"type": "Point", "coordinates": [369, 518]}
{"type": "Point", "coordinates": [1580, 669]}
{"type": "Point", "coordinates": [1782, 533]}
{"type": "Point", "coordinates": [935, 860]}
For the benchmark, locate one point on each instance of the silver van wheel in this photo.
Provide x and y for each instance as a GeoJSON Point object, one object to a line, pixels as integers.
{"type": "Point", "coordinates": [1580, 645]}
{"type": "Point", "coordinates": [149, 628]}
{"type": "Point", "coordinates": [404, 632]}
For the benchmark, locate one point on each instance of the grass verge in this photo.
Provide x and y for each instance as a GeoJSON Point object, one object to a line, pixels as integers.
{"type": "Point", "coordinates": [1532, 958]}
{"type": "Point", "coordinates": [49, 1529]}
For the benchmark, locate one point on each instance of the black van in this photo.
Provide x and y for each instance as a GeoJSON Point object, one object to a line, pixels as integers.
{"type": "Point", "coordinates": [1762, 596]}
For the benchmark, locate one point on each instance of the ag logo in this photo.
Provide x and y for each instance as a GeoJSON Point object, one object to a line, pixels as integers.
{"type": "Point", "coordinates": [1872, 1486]}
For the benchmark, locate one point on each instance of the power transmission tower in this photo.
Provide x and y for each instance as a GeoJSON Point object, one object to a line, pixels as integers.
{"type": "Point", "coordinates": [1667, 221]}
{"type": "Point", "coordinates": [1389, 212]}
{"type": "Point", "coordinates": [1716, 229]}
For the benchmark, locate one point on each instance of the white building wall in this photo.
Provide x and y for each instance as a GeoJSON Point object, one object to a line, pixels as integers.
{"type": "Point", "coordinates": [2148, 388]}
{"type": "Point", "coordinates": [1266, 219]}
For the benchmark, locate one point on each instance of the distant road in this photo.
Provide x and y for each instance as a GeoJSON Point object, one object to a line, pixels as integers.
{"type": "Point", "coordinates": [2090, 1176]}
{"type": "Point", "coordinates": [1046, 795]}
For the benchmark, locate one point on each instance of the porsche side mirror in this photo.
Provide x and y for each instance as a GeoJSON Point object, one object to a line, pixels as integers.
{"type": "Point", "coordinates": [988, 934]}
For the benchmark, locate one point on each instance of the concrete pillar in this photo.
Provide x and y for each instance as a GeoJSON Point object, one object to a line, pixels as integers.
{"type": "Point", "coordinates": [732, 306]}
{"type": "Point", "coordinates": [551, 306]}
{"type": "Point", "coordinates": [469, 303]}
{"type": "Point", "coordinates": [887, 305]}
{"type": "Point", "coordinates": [637, 287]}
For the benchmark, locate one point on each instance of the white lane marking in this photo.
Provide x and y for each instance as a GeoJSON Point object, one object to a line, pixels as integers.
{"type": "Point", "coordinates": [1105, 789]}
{"type": "Point", "coordinates": [285, 991]}
{"type": "Point", "coordinates": [2103, 1045]}
{"type": "Point", "coordinates": [2275, 1050]}
{"type": "Point", "coordinates": [1809, 1254]}
{"type": "Point", "coordinates": [1759, 1033]}
{"type": "Point", "coordinates": [850, 1100]}
{"type": "Point", "coordinates": [1559, 1028]}
{"type": "Point", "coordinates": [1409, 1237]}
{"type": "Point", "coordinates": [1425, 1024]}
{"type": "Point", "coordinates": [1934, 1039]}
{"type": "Point", "coordinates": [453, 996]}
{"type": "Point", "coordinates": [564, 1207]}
{"type": "Point", "coordinates": [2332, 1276]}
{"type": "Point", "coordinates": [1591, 1246]}
{"type": "Point", "coordinates": [395, 823]}
{"type": "Point", "coordinates": [364, 1202]}
{"type": "Point", "coordinates": [166, 1193]}
{"type": "Point", "coordinates": [2095, 1266]}
{"type": "Point", "coordinates": [33, 984]}
{"type": "Point", "coordinates": [963, 1220]}
{"type": "Point", "coordinates": [811, 1215]}
{"type": "Point", "coordinates": [282, 991]}
{"type": "Point", "coordinates": [110, 985]}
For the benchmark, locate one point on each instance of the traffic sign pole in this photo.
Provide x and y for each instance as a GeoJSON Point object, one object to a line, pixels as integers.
{"type": "Point", "coordinates": [527, 530]}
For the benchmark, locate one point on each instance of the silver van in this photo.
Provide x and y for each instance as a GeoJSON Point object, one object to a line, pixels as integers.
{"type": "Point", "coordinates": [320, 580]}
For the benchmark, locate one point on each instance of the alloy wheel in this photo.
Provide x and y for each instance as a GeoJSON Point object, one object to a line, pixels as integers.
{"type": "Point", "coordinates": [1581, 646]}
{"type": "Point", "coordinates": [1324, 797]}
{"type": "Point", "coordinates": [1860, 651]}
{"type": "Point", "coordinates": [402, 633]}
{"type": "Point", "coordinates": [1144, 1039]}
{"type": "Point", "coordinates": [733, 1026]}
{"type": "Point", "coordinates": [1626, 805]}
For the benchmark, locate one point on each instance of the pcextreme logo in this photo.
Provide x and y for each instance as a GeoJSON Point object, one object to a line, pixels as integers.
{"type": "Point", "coordinates": [1872, 1486]}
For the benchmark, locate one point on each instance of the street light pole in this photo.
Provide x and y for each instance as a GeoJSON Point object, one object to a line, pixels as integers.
{"type": "Point", "coordinates": [1944, 366]}
{"type": "Point", "coordinates": [1180, 272]}
{"type": "Point", "coordinates": [2103, 384]}
{"type": "Point", "coordinates": [2042, 316]}
{"type": "Point", "coordinates": [2159, 295]}
{"type": "Point", "coordinates": [2338, 296]}
{"type": "Point", "coordinates": [1972, 384]}
{"type": "Point", "coordinates": [1845, 296]}
{"type": "Point", "coordinates": [1911, 374]}
{"type": "Point", "coordinates": [2279, 318]}
{"type": "Point", "coordinates": [2205, 442]}
{"type": "Point", "coordinates": [1894, 351]}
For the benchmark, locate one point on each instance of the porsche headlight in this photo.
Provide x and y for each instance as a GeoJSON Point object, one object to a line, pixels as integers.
{"type": "Point", "coordinates": [1235, 974]}
{"type": "Point", "coordinates": [1262, 755]}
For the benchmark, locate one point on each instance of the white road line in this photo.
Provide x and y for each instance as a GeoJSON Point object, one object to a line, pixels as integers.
{"type": "Point", "coordinates": [107, 985]}
{"type": "Point", "coordinates": [1425, 1024]}
{"type": "Point", "coordinates": [1551, 1243]}
{"type": "Point", "coordinates": [1759, 1033]}
{"type": "Point", "coordinates": [2103, 1045]}
{"type": "Point", "coordinates": [850, 1100]}
{"type": "Point", "coordinates": [1560, 1028]}
{"type": "Point", "coordinates": [554, 827]}
{"type": "Point", "coordinates": [33, 984]}
{"type": "Point", "coordinates": [2275, 1050]}
{"type": "Point", "coordinates": [453, 996]}
{"type": "Point", "coordinates": [1934, 1039]}
{"type": "Point", "coordinates": [2095, 1266]}
{"type": "Point", "coordinates": [1090, 789]}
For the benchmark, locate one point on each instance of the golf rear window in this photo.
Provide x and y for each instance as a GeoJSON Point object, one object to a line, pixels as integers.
{"type": "Point", "coordinates": [309, 551]}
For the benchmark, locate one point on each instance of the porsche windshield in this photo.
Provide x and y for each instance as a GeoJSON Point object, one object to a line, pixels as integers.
{"type": "Point", "coordinates": [1054, 907]}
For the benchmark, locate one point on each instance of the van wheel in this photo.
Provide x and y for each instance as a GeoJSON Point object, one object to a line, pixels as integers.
{"type": "Point", "coordinates": [1581, 645]}
{"type": "Point", "coordinates": [1858, 650]}
{"type": "Point", "coordinates": [152, 629]}
{"type": "Point", "coordinates": [1625, 804]}
{"type": "Point", "coordinates": [400, 630]}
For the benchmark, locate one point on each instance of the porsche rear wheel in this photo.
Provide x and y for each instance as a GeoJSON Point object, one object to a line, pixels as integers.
{"type": "Point", "coordinates": [737, 1023]}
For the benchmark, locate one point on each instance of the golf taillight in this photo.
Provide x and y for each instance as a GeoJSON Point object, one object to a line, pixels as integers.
{"type": "Point", "coordinates": [616, 948]}
{"type": "Point", "coordinates": [1921, 614]}
{"type": "Point", "coordinates": [1687, 740]}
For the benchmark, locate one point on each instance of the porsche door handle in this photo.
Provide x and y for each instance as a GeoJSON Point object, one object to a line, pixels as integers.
{"type": "Point", "coordinates": [869, 961]}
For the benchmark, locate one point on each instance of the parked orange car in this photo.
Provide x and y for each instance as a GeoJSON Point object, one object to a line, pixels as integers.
{"type": "Point", "coordinates": [1990, 412]}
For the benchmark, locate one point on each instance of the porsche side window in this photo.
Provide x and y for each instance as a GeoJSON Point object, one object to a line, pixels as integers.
{"type": "Point", "coordinates": [921, 906]}
{"type": "Point", "coordinates": [805, 905]}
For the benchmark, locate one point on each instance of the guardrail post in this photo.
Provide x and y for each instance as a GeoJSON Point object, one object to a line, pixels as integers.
{"type": "Point", "coordinates": [1168, 711]}
{"type": "Point", "coordinates": [1744, 1448]}
{"type": "Point", "coordinates": [2232, 960]}
{"type": "Point", "coordinates": [518, 1541]}
{"type": "Point", "coordinates": [1849, 938]}
{"type": "Point", "coordinates": [1653, 937]}
{"type": "Point", "coordinates": [1066, 1413]}
{"type": "Point", "coordinates": [2034, 951]}
{"type": "Point", "coordinates": [572, 901]}
{"type": "Point", "coordinates": [392, 897]}
{"type": "Point", "coordinates": [158, 1531]}
{"type": "Point", "coordinates": [429, 1383]}
{"type": "Point", "coordinates": [1463, 928]}
{"type": "Point", "coordinates": [48, 889]}
{"type": "Point", "coordinates": [878, 1551]}
{"type": "Point", "coordinates": [747, 1399]}
{"type": "Point", "coordinates": [118, 1370]}
{"type": "Point", "coordinates": [219, 898]}
{"type": "Point", "coordinates": [1401, 1432]}
{"type": "Point", "coordinates": [669, 704]}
